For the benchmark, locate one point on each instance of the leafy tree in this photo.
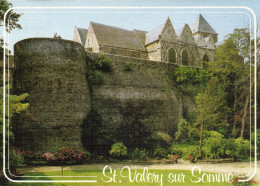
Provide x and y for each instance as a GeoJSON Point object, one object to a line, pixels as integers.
{"type": "Point", "coordinates": [211, 109]}
{"type": "Point", "coordinates": [12, 20]}
{"type": "Point", "coordinates": [16, 106]}
{"type": "Point", "coordinates": [233, 69]}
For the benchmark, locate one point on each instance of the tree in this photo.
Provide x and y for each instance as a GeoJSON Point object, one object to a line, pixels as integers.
{"type": "Point", "coordinates": [12, 20]}
{"type": "Point", "coordinates": [233, 69]}
{"type": "Point", "coordinates": [211, 109]}
{"type": "Point", "coordinates": [16, 106]}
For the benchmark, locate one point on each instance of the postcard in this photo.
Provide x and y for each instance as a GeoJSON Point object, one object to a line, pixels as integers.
{"type": "Point", "coordinates": [129, 92]}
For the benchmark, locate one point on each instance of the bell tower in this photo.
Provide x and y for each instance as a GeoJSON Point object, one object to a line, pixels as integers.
{"type": "Point", "coordinates": [202, 27]}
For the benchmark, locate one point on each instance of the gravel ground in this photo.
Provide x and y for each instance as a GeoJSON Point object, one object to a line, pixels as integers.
{"type": "Point", "coordinates": [237, 168]}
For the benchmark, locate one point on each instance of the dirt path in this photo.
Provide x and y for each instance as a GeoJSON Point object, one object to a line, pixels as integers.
{"type": "Point", "coordinates": [237, 168]}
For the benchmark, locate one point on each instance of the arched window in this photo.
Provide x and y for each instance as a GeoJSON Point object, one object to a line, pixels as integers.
{"type": "Point", "coordinates": [172, 56]}
{"type": "Point", "coordinates": [185, 58]}
{"type": "Point", "coordinates": [205, 60]}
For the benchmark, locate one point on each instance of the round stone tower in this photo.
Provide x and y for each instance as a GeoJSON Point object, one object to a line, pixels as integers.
{"type": "Point", "coordinates": [53, 73]}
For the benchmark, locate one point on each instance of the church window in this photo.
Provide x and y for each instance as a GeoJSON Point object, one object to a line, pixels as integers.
{"type": "Point", "coordinates": [185, 58]}
{"type": "Point", "coordinates": [205, 60]}
{"type": "Point", "coordinates": [172, 56]}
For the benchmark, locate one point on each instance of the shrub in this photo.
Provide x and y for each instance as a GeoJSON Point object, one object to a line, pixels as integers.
{"type": "Point", "coordinates": [31, 156]}
{"type": "Point", "coordinates": [95, 77]}
{"type": "Point", "coordinates": [67, 154]}
{"type": "Point", "coordinates": [257, 141]}
{"type": "Point", "coordinates": [103, 63]}
{"type": "Point", "coordinates": [118, 149]}
{"type": "Point", "coordinates": [243, 148]}
{"type": "Point", "coordinates": [186, 133]}
{"type": "Point", "coordinates": [213, 144]}
{"type": "Point", "coordinates": [162, 139]}
{"type": "Point", "coordinates": [16, 157]}
{"type": "Point", "coordinates": [160, 152]}
{"type": "Point", "coordinates": [49, 156]}
{"type": "Point", "coordinates": [138, 154]}
{"type": "Point", "coordinates": [128, 66]}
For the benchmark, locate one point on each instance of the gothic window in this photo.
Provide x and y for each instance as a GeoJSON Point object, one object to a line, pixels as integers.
{"type": "Point", "coordinates": [172, 55]}
{"type": "Point", "coordinates": [205, 60]}
{"type": "Point", "coordinates": [185, 58]}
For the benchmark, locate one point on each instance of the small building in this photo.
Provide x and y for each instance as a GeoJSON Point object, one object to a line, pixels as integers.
{"type": "Point", "coordinates": [186, 46]}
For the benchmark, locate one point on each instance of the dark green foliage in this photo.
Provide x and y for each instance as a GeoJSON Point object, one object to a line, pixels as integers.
{"type": "Point", "coordinates": [185, 77]}
{"type": "Point", "coordinates": [134, 131]}
{"type": "Point", "coordinates": [257, 141]}
{"type": "Point", "coordinates": [92, 127]}
{"type": "Point", "coordinates": [186, 133]}
{"type": "Point", "coordinates": [160, 152]}
{"type": "Point", "coordinates": [128, 66]}
{"type": "Point", "coordinates": [103, 63]}
{"type": "Point", "coordinates": [161, 139]}
{"type": "Point", "coordinates": [95, 77]}
{"type": "Point", "coordinates": [213, 144]}
{"type": "Point", "coordinates": [137, 154]}
{"type": "Point", "coordinates": [118, 150]}
{"type": "Point", "coordinates": [16, 158]}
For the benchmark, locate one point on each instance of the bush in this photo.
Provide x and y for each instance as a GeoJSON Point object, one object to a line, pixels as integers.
{"type": "Point", "coordinates": [257, 141]}
{"type": "Point", "coordinates": [162, 139]}
{"type": "Point", "coordinates": [67, 154]}
{"type": "Point", "coordinates": [95, 77]}
{"type": "Point", "coordinates": [186, 133]}
{"type": "Point", "coordinates": [118, 150]}
{"type": "Point", "coordinates": [160, 152]}
{"type": "Point", "coordinates": [31, 156]}
{"type": "Point", "coordinates": [213, 144]}
{"type": "Point", "coordinates": [103, 63]}
{"type": "Point", "coordinates": [128, 66]}
{"type": "Point", "coordinates": [16, 158]}
{"type": "Point", "coordinates": [243, 148]}
{"type": "Point", "coordinates": [138, 154]}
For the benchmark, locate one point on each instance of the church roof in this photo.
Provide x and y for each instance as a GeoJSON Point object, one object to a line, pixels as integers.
{"type": "Point", "coordinates": [116, 37]}
{"type": "Point", "coordinates": [153, 35]}
{"type": "Point", "coordinates": [83, 35]}
{"type": "Point", "coordinates": [201, 25]}
{"type": "Point", "coordinates": [141, 35]}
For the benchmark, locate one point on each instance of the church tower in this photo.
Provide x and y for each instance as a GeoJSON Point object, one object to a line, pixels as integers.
{"type": "Point", "coordinates": [202, 27]}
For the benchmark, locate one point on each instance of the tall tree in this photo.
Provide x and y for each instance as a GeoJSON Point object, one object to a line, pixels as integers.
{"type": "Point", "coordinates": [211, 109]}
{"type": "Point", "coordinates": [12, 20]}
{"type": "Point", "coordinates": [233, 68]}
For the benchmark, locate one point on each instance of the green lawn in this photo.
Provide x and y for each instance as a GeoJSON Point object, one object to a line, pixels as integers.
{"type": "Point", "coordinates": [124, 180]}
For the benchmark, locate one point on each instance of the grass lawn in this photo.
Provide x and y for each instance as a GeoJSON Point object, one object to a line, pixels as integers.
{"type": "Point", "coordinates": [124, 180]}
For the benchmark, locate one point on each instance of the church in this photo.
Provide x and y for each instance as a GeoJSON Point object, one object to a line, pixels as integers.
{"type": "Point", "coordinates": [189, 46]}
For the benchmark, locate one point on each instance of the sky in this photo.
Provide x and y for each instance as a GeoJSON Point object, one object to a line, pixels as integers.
{"type": "Point", "coordinates": [44, 22]}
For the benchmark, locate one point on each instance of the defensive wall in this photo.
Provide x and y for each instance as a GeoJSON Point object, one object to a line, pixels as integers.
{"type": "Point", "coordinates": [54, 74]}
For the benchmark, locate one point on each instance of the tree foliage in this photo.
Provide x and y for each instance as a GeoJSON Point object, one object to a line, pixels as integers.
{"type": "Point", "coordinates": [11, 21]}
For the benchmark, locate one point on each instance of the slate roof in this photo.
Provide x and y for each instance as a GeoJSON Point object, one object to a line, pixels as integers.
{"type": "Point", "coordinates": [141, 35]}
{"type": "Point", "coordinates": [116, 37]}
{"type": "Point", "coordinates": [201, 25]}
{"type": "Point", "coordinates": [154, 34]}
{"type": "Point", "coordinates": [83, 35]}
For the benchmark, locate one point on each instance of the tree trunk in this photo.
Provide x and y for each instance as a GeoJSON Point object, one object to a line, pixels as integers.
{"type": "Point", "coordinates": [201, 136]}
{"type": "Point", "coordinates": [234, 132]}
{"type": "Point", "coordinates": [244, 116]}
